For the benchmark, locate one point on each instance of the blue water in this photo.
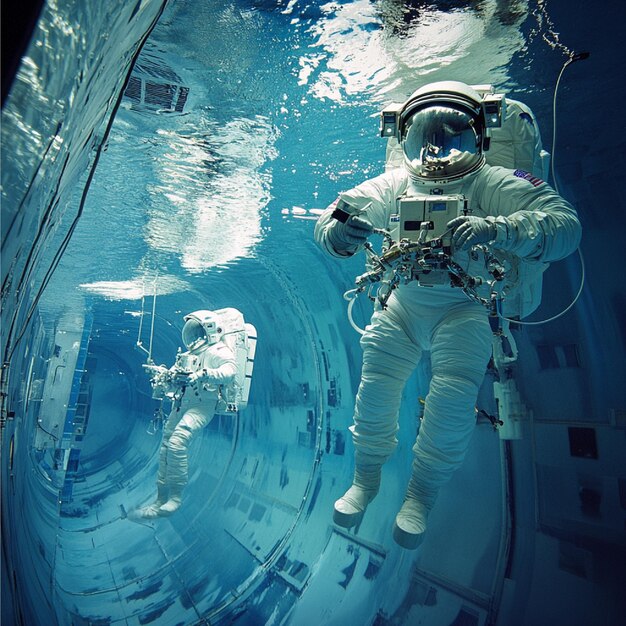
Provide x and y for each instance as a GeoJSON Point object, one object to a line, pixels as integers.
{"type": "Point", "coordinates": [214, 206]}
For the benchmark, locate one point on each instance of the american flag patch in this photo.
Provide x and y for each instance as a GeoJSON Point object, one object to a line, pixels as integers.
{"type": "Point", "coordinates": [533, 180]}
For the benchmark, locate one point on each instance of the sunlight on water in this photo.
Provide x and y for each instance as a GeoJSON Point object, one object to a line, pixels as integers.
{"type": "Point", "coordinates": [359, 51]}
{"type": "Point", "coordinates": [136, 288]}
{"type": "Point", "coordinates": [206, 181]}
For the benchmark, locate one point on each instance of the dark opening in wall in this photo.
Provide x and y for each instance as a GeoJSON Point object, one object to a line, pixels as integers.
{"type": "Point", "coordinates": [547, 357]}
{"type": "Point", "coordinates": [571, 357]}
{"type": "Point", "coordinates": [554, 357]}
{"type": "Point", "coordinates": [590, 501]}
{"type": "Point", "coordinates": [582, 442]}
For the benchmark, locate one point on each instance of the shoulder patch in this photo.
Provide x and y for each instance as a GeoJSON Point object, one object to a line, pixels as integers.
{"type": "Point", "coordinates": [527, 118]}
{"type": "Point", "coordinates": [533, 180]}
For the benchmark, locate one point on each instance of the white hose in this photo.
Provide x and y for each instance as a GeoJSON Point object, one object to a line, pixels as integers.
{"type": "Point", "coordinates": [565, 310]}
{"type": "Point", "coordinates": [351, 296]}
{"type": "Point", "coordinates": [571, 59]}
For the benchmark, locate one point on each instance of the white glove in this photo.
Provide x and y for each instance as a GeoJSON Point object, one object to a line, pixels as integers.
{"type": "Point", "coordinates": [349, 236]}
{"type": "Point", "coordinates": [204, 376]}
{"type": "Point", "coordinates": [197, 376]}
{"type": "Point", "coordinates": [471, 230]}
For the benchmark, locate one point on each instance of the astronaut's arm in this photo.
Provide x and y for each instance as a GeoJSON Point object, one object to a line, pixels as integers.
{"type": "Point", "coordinates": [153, 370]}
{"type": "Point", "coordinates": [164, 380]}
{"type": "Point", "coordinates": [340, 232]}
{"type": "Point", "coordinates": [223, 371]}
{"type": "Point", "coordinates": [534, 222]}
{"type": "Point", "coordinates": [345, 225]}
{"type": "Point", "coordinates": [221, 375]}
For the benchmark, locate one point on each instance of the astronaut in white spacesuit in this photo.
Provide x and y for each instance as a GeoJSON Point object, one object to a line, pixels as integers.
{"type": "Point", "coordinates": [512, 214]}
{"type": "Point", "coordinates": [193, 383]}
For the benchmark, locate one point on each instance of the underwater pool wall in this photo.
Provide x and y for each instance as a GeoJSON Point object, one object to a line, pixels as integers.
{"type": "Point", "coordinates": [85, 52]}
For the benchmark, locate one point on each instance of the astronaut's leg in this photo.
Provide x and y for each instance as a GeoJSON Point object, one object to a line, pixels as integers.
{"type": "Point", "coordinates": [193, 420]}
{"type": "Point", "coordinates": [460, 351]}
{"type": "Point", "coordinates": [152, 510]}
{"type": "Point", "coordinates": [389, 358]}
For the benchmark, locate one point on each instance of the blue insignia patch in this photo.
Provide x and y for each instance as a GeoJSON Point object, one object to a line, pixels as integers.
{"type": "Point", "coordinates": [533, 180]}
{"type": "Point", "coordinates": [527, 118]}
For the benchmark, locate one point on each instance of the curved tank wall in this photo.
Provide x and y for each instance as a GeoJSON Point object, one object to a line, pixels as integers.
{"type": "Point", "coordinates": [159, 158]}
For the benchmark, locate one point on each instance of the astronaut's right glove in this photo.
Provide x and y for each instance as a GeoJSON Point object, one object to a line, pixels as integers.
{"type": "Point", "coordinates": [346, 237]}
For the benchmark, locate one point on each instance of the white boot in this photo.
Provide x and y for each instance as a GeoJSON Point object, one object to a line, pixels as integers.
{"type": "Point", "coordinates": [410, 524]}
{"type": "Point", "coordinates": [152, 510]}
{"type": "Point", "coordinates": [171, 506]}
{"type": "Point", "coordinates": [350, 507]}
{"type": "Point", "coordinates": [174, 502]}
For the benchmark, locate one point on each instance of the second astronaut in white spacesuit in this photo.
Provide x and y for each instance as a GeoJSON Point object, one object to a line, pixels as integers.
{"type": "Point", "coordinates": [442, 131]}
{"type": "Point", "coordinates": [193, 384]}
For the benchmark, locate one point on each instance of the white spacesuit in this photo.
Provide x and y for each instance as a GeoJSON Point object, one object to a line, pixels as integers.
{"type": "Point", "coordinates": [194, 384]}
{"type": "Point", "coordinates": [513, 215]}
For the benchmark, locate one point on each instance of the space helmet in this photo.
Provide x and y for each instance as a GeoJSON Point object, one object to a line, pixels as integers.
{"type": "Point", "coordinates": [202, 328]}
{"type": "Point", "coordinates": [442, 132]}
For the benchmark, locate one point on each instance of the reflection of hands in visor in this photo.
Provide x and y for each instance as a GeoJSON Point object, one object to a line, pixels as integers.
{"type": "Point", "coordinates": [471, 230]}
{"type": "Point", "coordinates": [196, 343]}
{"type": "Point", "coordinates": [349, 236]}
{"type": "Point", "coordinates": [193, 334]}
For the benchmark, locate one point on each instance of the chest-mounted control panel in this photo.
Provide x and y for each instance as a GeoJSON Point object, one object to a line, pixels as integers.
{"type": "Point", "coordinates": [424, 218]}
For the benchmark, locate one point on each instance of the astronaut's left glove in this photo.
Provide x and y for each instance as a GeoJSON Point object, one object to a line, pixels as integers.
{"type": "Point", "coordinates": [470, 230]}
